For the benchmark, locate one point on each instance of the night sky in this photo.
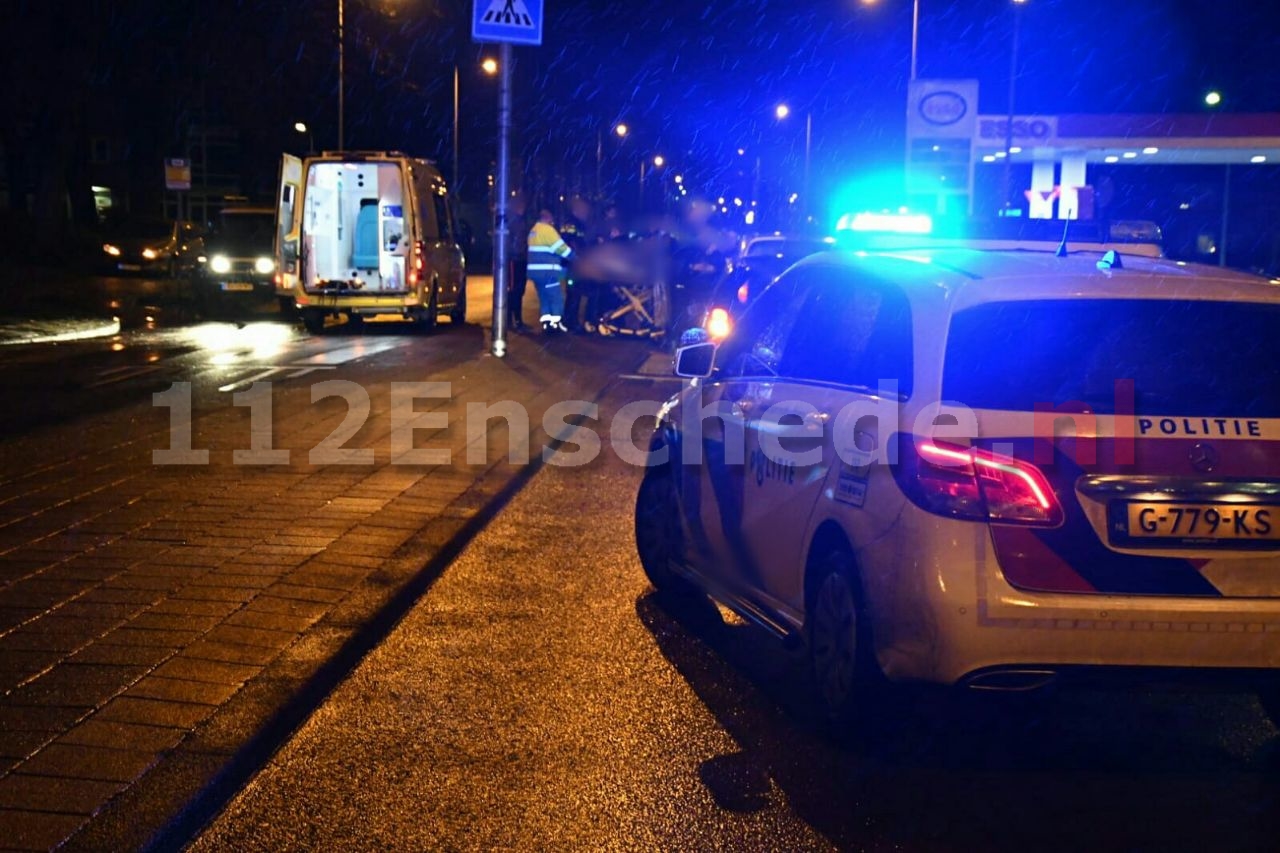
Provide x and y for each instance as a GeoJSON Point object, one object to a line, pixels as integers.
{"type": "Point", "coordinates": [695, 81]}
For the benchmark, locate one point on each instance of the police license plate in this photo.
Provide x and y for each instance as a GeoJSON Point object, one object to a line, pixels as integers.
{"type": "Point", "coordinates": [1195, 523]}
{"type": "Point", "coordinates": [237, 285]}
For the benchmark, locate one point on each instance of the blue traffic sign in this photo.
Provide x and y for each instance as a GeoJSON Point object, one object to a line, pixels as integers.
{"type": "Point", "coordinates": [512, 21]}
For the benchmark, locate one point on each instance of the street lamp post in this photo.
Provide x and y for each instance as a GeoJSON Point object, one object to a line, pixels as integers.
{"type": "Point", "coordinates": [1008, 126]}
{"type": "Point", "coordinates": [781, 111]}
{"type": "Point", "coordinates": [488, 66]}
{"type": "Point", "coordinates": [453, 185]}
{"type": "Point", "coordinates": [621, 130]}
{"type": "Point", "coordinates": [342, 75]}
{"type": "Point", "coordinates": [658, 162]}
{"type": "Point", "coordinates": [915, 36]}
{"type": "Point", "coordinates": [915, 31]}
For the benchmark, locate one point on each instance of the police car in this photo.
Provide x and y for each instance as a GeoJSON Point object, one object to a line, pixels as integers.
{"type": "Point", "coordinates": [985, 468]}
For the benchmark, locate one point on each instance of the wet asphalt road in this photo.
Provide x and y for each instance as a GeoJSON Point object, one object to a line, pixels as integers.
{"type": "Point", "coordinates": [166, 339]}
{"type": "Point", "coordinates": [541, 696]}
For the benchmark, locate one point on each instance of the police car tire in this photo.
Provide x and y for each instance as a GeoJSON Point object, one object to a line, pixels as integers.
{"type": "Point", "coordinates": [657, 531]}
{"type": "Point", "coordinates": [849, 683]}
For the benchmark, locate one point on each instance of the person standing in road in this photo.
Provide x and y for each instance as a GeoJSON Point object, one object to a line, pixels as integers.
{"type": "Point", "coordinates": [580, 233]}
{"type": "Point", "coordinates": [547, 254]}
{"type": "Point", "coordinates": [518, 229]}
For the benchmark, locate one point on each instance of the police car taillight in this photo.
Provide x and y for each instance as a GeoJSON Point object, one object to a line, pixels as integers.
{"type": "Point", "coordinates": [972, 483]}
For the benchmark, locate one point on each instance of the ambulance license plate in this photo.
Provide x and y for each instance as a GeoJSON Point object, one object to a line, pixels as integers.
{"type": "Point", "coordinates": [1193, 524]}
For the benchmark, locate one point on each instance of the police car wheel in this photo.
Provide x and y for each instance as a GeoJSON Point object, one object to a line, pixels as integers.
{"type": "Point", "coordinates": [658, 531]}
{"type": "Point", "coordinates": [840, 652]}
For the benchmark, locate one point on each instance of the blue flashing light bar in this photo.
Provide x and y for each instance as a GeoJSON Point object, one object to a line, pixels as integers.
{"type": "Point", "coordinates": [886, 223]}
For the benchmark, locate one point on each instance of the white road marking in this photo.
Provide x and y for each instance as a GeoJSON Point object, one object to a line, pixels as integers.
{"type": "Point", "coordinates": [121, 374]}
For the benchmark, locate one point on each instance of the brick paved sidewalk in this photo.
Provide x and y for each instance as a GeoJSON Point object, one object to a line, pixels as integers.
{"type": "Point", "coordinates": [154, 618]}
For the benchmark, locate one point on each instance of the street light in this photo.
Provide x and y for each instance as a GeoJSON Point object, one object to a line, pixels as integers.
{"type": "Point", "coordinates": [490, 67]}
{"type": "Point", "coordinates": [782, 111]}
{"type": "Point", "coordinates": [658, 162]}
{"type": "Point", "coordinates": [301, 127]}
{"type": "Point", "coordinates": [620, 130]}
{"type": "Point", "coordinates": [1213, 98]}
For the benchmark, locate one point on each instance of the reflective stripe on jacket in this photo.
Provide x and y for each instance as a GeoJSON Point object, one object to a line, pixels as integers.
{"type": "Point", "coordinates": [546, 248]}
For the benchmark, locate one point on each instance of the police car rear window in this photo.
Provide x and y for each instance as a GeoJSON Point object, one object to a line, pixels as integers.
{"type": "Point", "coordinates": [1184, 357]}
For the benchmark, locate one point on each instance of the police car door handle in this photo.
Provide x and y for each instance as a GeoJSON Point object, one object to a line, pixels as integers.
{"type": "Point", "coordinates": [816, 419]}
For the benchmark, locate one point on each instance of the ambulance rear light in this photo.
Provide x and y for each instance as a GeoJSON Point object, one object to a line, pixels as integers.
{"type": "Point", "coordinates": [975, 484]}
{"type": "Point", "coordinates": [418, 262]}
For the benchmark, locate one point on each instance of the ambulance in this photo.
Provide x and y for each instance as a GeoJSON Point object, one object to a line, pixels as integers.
{"type": "Point", "coordinates": [993, 469]}
{"type": "Point", "coordinates": [367, 233]}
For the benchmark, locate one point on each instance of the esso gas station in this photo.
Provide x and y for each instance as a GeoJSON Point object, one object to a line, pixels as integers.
{"type": "Point", "coordinates": [963, 163]}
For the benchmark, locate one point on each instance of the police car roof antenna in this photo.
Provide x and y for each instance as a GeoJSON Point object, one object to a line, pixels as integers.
{"type": "Point", "coordinates": [1062, 247]}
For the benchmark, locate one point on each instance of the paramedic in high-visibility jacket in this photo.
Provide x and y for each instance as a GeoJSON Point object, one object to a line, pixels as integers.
{"type": "Point", "coordinates": [548, 254]}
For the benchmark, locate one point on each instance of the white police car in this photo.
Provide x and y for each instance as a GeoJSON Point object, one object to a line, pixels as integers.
{"type": "Point", "coordinates": [992, 469]}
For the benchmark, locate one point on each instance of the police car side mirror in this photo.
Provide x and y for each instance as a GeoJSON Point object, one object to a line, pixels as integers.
{"type": "Point", "coordinates": [696, 361]}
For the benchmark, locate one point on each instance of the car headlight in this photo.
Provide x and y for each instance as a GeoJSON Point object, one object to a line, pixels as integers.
{"type": "Point", "coordinates": [265, 266]}
{"type": "Point", "coordinates": [150, 254]}
{"type": "Point", "coordinates": [113, 251]}
{"type": "Point", "coordinates": [220, 264]}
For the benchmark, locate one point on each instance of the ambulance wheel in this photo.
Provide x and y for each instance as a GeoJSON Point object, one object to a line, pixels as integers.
{"type": "Point", "coordinates": [841, 655]}
{"type": "Point", "coordinates": [355, 320]}
{"type": "Point", "coordinates": [458, 315]}
{"type": "Point", "coordinates": [658, 538]}
{"type": "Point", "coordinates": [427, 319]}
{"type": "Point", "coordinates": [1269, 698]}
{"type": "Point", "coordinates": [313, 321]}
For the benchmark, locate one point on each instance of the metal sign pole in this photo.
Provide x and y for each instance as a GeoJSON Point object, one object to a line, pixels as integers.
{"type": "Point", "coordinates": [501, 225]}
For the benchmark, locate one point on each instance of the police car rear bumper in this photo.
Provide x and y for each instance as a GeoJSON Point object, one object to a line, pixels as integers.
{"type": "Point", "coordinates": [955, 617]}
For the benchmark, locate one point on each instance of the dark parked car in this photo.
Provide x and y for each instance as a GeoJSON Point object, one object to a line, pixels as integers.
{"type": "Point", "coordinates": [152, 247]}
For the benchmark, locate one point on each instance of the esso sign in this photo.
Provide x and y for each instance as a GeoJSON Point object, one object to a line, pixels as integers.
{"type": "Point", "coordinates": [1037, 129]}
{"type": "Point", "coordinates": [943, 108]}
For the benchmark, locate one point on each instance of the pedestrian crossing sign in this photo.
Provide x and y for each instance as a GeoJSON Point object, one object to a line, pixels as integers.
{"type": "Point", "coordinates": [513, 21]}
